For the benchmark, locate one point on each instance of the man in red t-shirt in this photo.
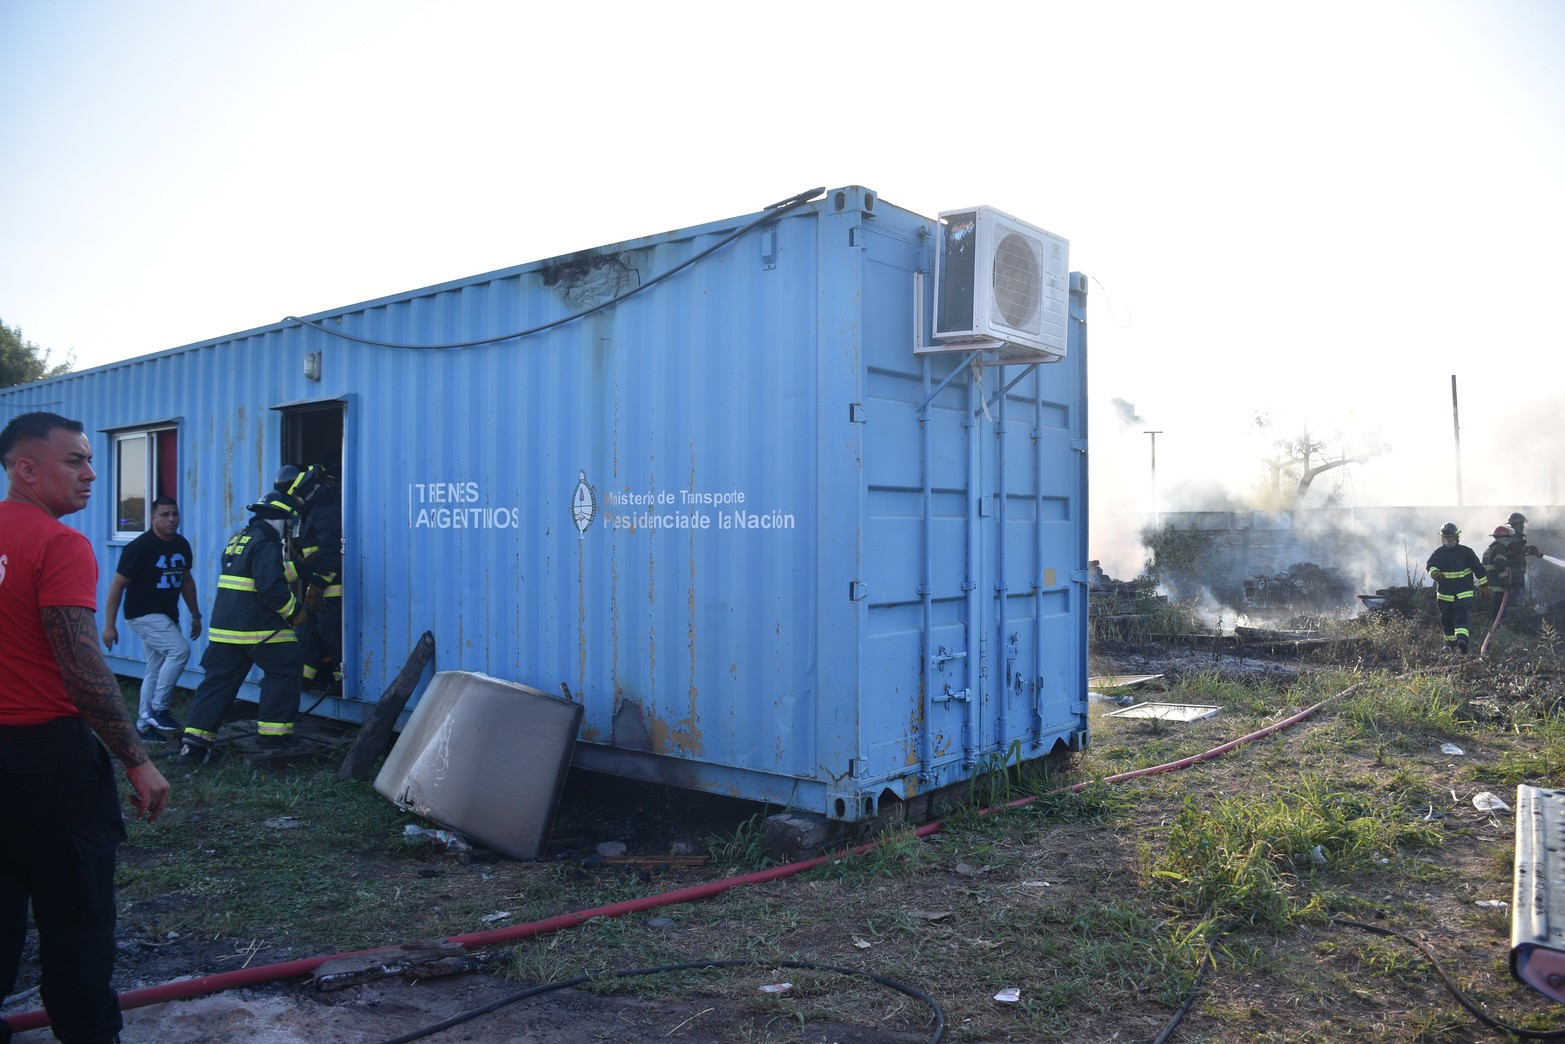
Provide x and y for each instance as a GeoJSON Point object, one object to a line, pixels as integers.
{"type": "Point", "coordinates": [63, 819]}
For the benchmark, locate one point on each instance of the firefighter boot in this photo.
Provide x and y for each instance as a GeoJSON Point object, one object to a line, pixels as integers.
{"type": "Point", "coordinates": [194, 751]}
{"type": "Point", "coordinates": [283, 744]}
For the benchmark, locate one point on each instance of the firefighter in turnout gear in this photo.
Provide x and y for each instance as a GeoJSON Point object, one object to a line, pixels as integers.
{"type": "Point", "coordinates": [1516, 553]}
{"type": "Point", "coordinates": [318, 551]}
{"type": "Point", "coordinates": [252, 624]}
{"type": "Point", "coordinates": [1496, 559]}
{"type": "Point", "coordinates": [1459, 578]}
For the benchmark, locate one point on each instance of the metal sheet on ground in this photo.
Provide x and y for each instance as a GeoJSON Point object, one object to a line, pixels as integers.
{"type": "Point", "coordinates": [1167, 711]}
{"type": "Point", "coordinates": [1099, 682]}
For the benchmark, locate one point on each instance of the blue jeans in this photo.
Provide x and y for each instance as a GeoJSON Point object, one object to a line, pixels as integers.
{"type": "Point", "coordinates": [167, 653]}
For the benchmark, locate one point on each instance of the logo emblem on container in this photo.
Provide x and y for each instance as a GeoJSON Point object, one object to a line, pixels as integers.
{"type": "Point", "coordinates": [584, 505]}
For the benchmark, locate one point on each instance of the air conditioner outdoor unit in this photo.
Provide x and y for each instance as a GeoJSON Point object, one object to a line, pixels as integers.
{"type": "Point", "coordinates": [1000, 284]}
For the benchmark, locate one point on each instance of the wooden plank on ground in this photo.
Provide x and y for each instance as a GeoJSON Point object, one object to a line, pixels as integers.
{"type": "Point", "coordinates": [657, 860]}
{"type": "Point", "coordinates": [375, 736]}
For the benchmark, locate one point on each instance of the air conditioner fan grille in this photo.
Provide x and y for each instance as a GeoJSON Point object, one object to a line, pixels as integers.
{"type": "Point", "coordinates": [1018, 281]}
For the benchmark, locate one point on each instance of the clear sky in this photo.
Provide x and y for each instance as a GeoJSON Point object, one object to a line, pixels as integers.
{"type": "Point", "coordinates": [1323, 209]}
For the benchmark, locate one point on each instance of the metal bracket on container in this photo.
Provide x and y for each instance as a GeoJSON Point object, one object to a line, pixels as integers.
{"type": "Point", "coordinates": [955, 372]}
{"type": "Point", "coordinates": [918, 342]}
{"type": "Point", "coordinates": [769, 248]}
{"type": "Point", "coordinates": [997, 395]}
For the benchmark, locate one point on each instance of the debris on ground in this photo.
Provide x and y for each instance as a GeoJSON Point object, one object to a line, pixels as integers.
{"type": "Point", "coordinates": [414, 960]}
{"type": "Point", "coordinates": [1303, 585]}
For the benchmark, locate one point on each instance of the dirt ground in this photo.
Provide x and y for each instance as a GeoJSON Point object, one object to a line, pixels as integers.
{"type": "Point", "coordinates": [384, 1010]}
{"type": "Point", "coordinates": [1083, 864]}
{"type": "Point", "coordinates": [298, 1011]}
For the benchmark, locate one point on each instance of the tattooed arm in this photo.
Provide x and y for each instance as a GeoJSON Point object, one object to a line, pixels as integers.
{"type": "Point", "coordinates": [73, 636]}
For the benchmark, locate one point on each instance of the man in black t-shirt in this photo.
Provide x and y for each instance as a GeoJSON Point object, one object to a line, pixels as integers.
{"type": "Point", "coordinates": [153, 575]}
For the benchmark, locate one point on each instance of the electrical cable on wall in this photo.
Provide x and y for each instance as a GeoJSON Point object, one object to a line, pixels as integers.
{"type": "Point", "coordinates": [771, 213]}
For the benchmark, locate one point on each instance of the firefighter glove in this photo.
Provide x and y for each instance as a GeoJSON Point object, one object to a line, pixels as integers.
{"type": "Point", "coordinates": [299, 618]}
{"type": "Point", "coordinates": [313, 594]}
{"type": "Point", "coordinates": [1437, 574]}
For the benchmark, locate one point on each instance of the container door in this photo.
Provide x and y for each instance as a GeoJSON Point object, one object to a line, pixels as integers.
{"type": "Point", "coordinates": [1034, 556]}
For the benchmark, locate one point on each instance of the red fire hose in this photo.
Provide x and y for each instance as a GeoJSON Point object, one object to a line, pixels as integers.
{"type": "Point", "coordinates": [185, 989]}
{"type": "Point", "coordinates": [1495, 626]}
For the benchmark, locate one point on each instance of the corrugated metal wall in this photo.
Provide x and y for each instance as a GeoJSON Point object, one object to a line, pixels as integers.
{"type": "Point", "coordinates": [822, 519]}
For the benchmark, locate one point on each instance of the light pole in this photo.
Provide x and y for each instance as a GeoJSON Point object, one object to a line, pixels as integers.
{"type": "Point", "coordinates": [1156, 522]}
{"type": "Point", "coordinates": [1456, 426]}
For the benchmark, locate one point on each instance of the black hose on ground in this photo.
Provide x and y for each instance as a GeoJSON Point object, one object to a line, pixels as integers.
{"type": "Point", "coordinates": [1184, 1009]}
{"type": "Point", "coordinates": [1461, 998]}
{"type": "Point", "coordinates": [561, 984]}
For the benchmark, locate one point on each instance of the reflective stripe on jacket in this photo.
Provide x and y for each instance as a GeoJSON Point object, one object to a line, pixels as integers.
{"type": "Point", "coordinates": [320, 542]}
{"type": "Point", "coordinates": [1497, 564]}
{"type": "Point", "coordinates": [254, 603]}
{"type": "Point", "coordinates": [1461, 572]}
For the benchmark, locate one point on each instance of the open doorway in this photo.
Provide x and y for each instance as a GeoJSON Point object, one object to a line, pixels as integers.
{"type": "Point", "coordinates": [313, 434]}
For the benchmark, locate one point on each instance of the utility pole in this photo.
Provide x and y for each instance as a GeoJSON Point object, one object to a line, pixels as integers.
{"type": "Point", "coordinates": [1156, 522]}
{"type": "Point", "coordinates": [1456, 423]}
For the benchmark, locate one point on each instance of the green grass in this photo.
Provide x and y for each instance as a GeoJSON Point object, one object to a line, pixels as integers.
{"type": "Point", "coordinates": [745, 849]}
{"type": "Point", "coordinates": [1247, 697]}
{"type": "Point", "coordinates": [1404, 713]}
{"type": "Point", "coordinates": [236, 846]}
{"type": "Point", "coordinates": [896, 854]}
{"type": "Point", "coordinates": [1098, 904]}
{"type": "Point", "coordinates": [1247, 859]}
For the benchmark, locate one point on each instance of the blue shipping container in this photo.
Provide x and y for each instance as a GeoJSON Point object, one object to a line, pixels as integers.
{"type": "Point", "coordinates": [773, 550]}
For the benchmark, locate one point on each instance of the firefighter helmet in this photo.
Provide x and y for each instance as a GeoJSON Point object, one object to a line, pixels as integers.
{"type": "Point", "coordinates": [1504, 531]}
{"type": "Point", "coordinates": [298, 483]}
{"type": "Point", "coordinates": [1517, 519]}
{"type": "Point", "coordinates": [273, 504]}
{"type": "Point", "coordinates": [1449, 529]}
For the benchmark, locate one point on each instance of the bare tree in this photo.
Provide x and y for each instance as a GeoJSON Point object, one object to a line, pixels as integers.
{"type": "Point", "coordinates": [1298, 459]}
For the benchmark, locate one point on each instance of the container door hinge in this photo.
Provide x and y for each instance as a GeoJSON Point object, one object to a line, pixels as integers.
{"type": "Point", "coordinates": [1079, 445]}
{"type": "Point", "coordinates": [856, 413]}
{"type": "Point", "coordinates": [856, 237]}
{"type": "Point", "coordinates": [856, 590]}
